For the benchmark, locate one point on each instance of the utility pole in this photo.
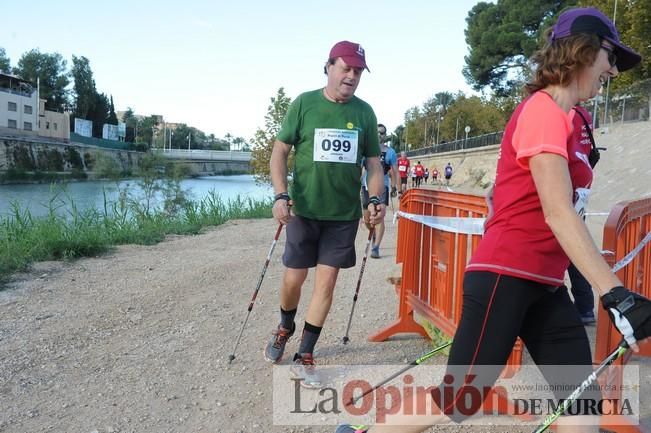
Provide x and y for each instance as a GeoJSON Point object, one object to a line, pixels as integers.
{"type": "Point", "coordinates": [189, 139]}
{"type": "Point", "coordinates": [425, 136]}
{"type": "Point", "coordinates": [438, 128]}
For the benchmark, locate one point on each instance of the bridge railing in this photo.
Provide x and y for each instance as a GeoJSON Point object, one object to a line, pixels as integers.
{"type": "Point", "coordinates": [204, 155]}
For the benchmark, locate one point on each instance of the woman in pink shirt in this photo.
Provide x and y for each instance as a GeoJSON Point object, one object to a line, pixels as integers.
{"type": "Point", "coordinates": [513, 283]}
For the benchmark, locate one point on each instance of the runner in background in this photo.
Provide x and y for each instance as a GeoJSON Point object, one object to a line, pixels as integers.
{"type": "Point", "coordinates": [420, 172]}
{"type": "Point", "coordinates": [403, 171]}
{"type": "Point", "coordinates": [389, 159]}
{"type": "Point", "coordinates": [448, 174]}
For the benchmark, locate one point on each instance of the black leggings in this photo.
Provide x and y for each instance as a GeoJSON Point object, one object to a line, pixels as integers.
{"type": "Point", "coordinates": [499, 308]}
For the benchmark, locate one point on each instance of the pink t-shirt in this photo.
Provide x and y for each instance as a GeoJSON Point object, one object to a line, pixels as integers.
{"type": "Point", "coordinates": [517, 240]}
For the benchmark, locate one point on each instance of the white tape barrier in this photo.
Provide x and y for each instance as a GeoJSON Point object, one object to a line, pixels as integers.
{"type": "Point", "coordinates": [468, 226]}
{"type": "Point", "coordinates": [475, 226]}
{"type": "Point", "coordinates": [630, 256]}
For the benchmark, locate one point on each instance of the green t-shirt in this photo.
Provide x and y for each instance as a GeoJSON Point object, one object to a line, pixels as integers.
{"type": "Point", "coordinates": [330, 140]}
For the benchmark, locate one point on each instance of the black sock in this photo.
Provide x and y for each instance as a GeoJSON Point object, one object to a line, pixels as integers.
{"type": "Point", "coordinates": [310, 336]}
{"type": "Point", "coordinates": [287, 319]}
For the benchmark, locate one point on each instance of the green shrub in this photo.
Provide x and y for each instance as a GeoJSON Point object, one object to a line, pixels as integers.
{"type": "Point", "coordinates": [74, 158]}
{"type": "Point", "coordinates": [25, 239]}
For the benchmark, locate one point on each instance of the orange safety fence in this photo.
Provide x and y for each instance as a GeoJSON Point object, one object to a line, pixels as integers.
{"type": "Point", "coordinates": [627, 227]}
{"type": "Point", "coordinates": [433, 262]}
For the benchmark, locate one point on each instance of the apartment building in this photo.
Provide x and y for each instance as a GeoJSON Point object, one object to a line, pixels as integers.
{"type": "Point", "coordinates": [18, 106]}
{"type": "Point", "coordinates": [22, 113]}
{"type": "Point", "coordinates": [53, 124]}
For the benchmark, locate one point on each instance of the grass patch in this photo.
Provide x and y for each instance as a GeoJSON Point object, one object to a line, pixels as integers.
{"type": "Point", "coordinates": [437, 336]}
{"type": "Point", "coordinates": [129, 220]}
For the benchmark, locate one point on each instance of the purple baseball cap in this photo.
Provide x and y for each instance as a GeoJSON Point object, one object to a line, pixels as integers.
{"type": "Point", "coordinates": [591, 20]}
{"type": "Point", "coordinates": [351, 53]}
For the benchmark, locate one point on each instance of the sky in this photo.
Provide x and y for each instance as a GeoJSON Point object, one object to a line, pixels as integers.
{"type": "Point", "coordinates": [215, 65]}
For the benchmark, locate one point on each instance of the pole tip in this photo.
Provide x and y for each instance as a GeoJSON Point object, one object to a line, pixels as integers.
{"type": "Point", "coordinates": [346, 340]}
{"type": "Point", "coordinates": [231, 358]}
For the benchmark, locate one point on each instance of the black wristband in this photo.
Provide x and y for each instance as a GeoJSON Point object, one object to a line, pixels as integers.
{"type": "Point", "coordinates": [375, 200]}
{"type": "Point", "coordinates": [281, 196]}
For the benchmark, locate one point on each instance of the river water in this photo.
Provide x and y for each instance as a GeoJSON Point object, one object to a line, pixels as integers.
{"type": "Point", "coordinates": [38, 198]}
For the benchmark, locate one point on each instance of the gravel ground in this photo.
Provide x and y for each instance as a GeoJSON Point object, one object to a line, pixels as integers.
{"type": "Point", "coordinates": [138, 340]}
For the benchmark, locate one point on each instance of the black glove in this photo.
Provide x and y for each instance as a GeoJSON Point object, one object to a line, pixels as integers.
{"type": "Point", "coordinates": [394, 191]}
{"type": "Point", "coordinates": [629, 312]}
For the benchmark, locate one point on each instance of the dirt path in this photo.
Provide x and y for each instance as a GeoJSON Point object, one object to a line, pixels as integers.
{"type": "Point", "coordinates": [138, 340]}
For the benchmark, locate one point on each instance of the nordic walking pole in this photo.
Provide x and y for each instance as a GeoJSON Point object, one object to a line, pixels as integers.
{"type": "Point", "coordinates": [359, 282]}
{"type": "Point", "coordinates": [409, 366]}
{"type": "Point", "coordinates": [231, 357]}
{"type": "Point", "coordinates": [619, 351]}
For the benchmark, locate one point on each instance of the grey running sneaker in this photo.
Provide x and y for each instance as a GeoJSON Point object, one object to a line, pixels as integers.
{"type": "Point", "coordinates": [375, 252]}
{"type": "Point", "coordinates": [304, 368]}
{"type": "Point", "coordinates": [276, 346]}
{"type": "Point", "coordinates": [349, 428]}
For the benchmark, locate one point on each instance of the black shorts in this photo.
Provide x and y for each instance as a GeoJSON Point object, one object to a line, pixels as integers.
{"type": "Point", "coordinates": [403, 180]}
{"type": "Point", "coordinates": [496, 310]}
{"type": "Point", "coordinates": [311, 242]}
{"type": "Point", "coordinates": [364, 197]}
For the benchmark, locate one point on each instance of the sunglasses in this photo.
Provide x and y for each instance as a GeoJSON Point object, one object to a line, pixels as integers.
{"type": "Point", "coordinates": [382, 133]}
{"type": "Point", "coordinates": [612, 57]}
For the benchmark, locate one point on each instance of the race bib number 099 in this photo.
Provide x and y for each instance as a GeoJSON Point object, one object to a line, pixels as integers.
{"type": "Point", "coordinates": [335, 145]}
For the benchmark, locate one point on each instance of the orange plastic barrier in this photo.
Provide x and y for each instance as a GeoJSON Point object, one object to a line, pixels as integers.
{"type": "Point", "coordinates": [433, 263]}
{"type": "Point", "coordinates": [627, 225]}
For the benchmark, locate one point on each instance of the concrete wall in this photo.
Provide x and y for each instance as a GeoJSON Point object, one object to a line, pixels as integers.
{"type": "Point", "coordinates": [32, 155]}
{"type": "Point", "coordinates": [624, 167]}
{"type": "Point", "coordinates": [210, 168]}
{"type": "Point", "coordinates": [473, 170]}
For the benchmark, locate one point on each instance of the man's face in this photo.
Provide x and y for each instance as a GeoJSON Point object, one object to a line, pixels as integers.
{"type": "Point", "coordinates": [342, 80]}
{"type": "Point", "coordinates": [382, 134]}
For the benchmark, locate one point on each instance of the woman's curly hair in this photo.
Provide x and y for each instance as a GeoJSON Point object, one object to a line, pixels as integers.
{"type": "Point", "coordinates": [560, 61]}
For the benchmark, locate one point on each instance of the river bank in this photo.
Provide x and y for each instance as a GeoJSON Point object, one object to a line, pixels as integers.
{"type": "Point", "coordinates": [72, 228]}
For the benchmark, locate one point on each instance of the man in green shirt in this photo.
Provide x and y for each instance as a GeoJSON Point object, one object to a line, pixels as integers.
{"type": "Point", "coordinates": [331, 130]}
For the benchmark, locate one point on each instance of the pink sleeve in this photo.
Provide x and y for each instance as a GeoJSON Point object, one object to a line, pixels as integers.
{"type": "Point", "coordinates": [542, 127]}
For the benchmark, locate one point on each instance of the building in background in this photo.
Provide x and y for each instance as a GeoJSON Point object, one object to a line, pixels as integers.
{"type": "Point", "coordinates": [22, 113]}
{"type": "Point", "coordinates": [53, 124]}
{"type": "Point", "coordinates": [18, 106]}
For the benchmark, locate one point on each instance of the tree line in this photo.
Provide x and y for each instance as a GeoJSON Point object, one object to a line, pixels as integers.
{"type": "Point", "coordinates": [501, 36]}
{"type": "Point", "coordinates": [75, 91]}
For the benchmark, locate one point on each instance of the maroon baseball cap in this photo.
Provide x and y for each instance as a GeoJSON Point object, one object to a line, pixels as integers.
{"type": "Point", "coordinates": [351, 53]}
{"type": "Point", "coordinates": [591, 20]}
